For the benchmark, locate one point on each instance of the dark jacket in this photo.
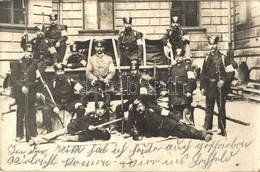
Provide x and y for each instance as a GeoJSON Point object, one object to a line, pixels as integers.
{"type": "Point", "coordinates": [210, 76]}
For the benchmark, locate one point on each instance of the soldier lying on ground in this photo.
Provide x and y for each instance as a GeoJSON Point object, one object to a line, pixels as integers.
{"type": "Point", "coordinates": [83, 129]}
{"type": "Point", "coordinates": [151, 121]}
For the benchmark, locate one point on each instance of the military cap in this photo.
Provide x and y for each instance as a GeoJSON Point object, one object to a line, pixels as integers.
{"type": "Point", "coordinates": [180, 52]}
{"type": "Point", "coordinates": [175, 19]}
{"type": "Point", "coordinates": [58, 66]}
{"type": "Point", "coordinates": [39, 27]}
{"type": "Point", "coordinates": [134, 65]}
{"type": "Point", "coordinates": [213, 40]}
{"type": "Point", "coordinates": [100, 105]}
{"type": "Point", "coordinates": [53, 17]}
{"type": "Point", "coordinates": [28, 47]}
{"type": "Point", "coordinates": [73, 48]}
{"type": "Point", "coordinates": [99, 42]}
{"type": "Point", "coordinates": [127, 20]}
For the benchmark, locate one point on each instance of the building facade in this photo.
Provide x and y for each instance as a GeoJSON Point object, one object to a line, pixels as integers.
{"type": "Point", "coordinates": [233, 21]}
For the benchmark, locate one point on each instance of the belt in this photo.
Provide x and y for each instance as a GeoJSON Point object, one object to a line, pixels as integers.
{"type": "Point", "coordinates": [212, 80]}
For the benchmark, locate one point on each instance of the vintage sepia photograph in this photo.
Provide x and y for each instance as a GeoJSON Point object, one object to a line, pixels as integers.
{"type": "Point", "coordinates": [129, 85]}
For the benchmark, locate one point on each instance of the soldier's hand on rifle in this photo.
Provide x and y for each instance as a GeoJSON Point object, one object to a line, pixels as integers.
{"type": "Point", "coordinates": [182, 121]}
{"type": "Point", "coordinates": [38, 95]}
{"type": "Point", "coordinates": [25, 90]}
{"type": "Point", "coordinates": [169, 45]}
{"type": "Point", "coordinates": [106, 82]}
{"type": "Point", "coordinates": [188, 94]}
{"type": "Point", "coordinates": [94, 81]}
{"type": "Point", "coordinates": [25, 33]}
{"type": "Point", "coordinates": [56, 110]}
{"type": "Point", "coordinates": [91, 127]}
{"type": "Point", "coordinates": [57, 44]}
{"type": "Point", "coordinates": [220, 84]}
{"type": "Point", "coordinates": [202, 92]}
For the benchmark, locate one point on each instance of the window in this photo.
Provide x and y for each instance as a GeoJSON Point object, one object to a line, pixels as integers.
{"type": "Point", "coordinates": [11, 11]}
{"type": "Point", "coordinates": [105, 10]}
{"type": "Point", "coordinates": [187, 11]}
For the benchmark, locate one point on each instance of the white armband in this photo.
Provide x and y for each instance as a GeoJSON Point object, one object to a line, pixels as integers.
{"type": "Point", "coordinates": [52, 50]}
{"type": "Point", "coordinates": [191, 75]}
{"type": "Point", "coordinates": [229, 68]}
{"type": "Point", "coordinates": [139, 42]}
{"type": "Point", "coordinates": [164, 112]}
{"type": "Point", "coordinates": [83, 62]}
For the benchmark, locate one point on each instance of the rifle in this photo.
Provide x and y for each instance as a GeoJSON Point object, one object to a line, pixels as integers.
{"type": "Point", "coordinates": [26, 104]}
{"type": "Point", "coordinates": [25, 20]}
{"type": "Point", "coordinates": [104, 124]}
{"type": "Point", "coordinates": [220, 103]}
{"type": "Point", "coordinates": [120, 81]}
{"type": "Point", "coordinates": [49, 92]}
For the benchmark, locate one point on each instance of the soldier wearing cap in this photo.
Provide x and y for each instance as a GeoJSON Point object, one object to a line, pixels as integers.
{"type": "Point", "coordinates": [130, 45]}
{"type": "Point", "coordinates": [58, 35]}
{"type": "Point", "coordinates": [44, 52]}
{"type": "Point", "coordinates": [64, 89]}
{"type": "Point", "coordinates": [175, 37]}
{"type": "Point", "coordinates": [100, 71]}
{"type": "Point", "coordinates": [20, 88]}
{"type": "Point", "coordinates": [77, 58]}
{"type": "Point", "coordinates": [216, 77]}
{"type": "Point", "coordinates": [182, 83]}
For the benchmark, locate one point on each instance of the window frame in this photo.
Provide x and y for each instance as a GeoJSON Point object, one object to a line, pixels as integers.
{"type": "Point", "coordinates": [12, 14]}
{"type": "Point", "coordinates": [182, 14]}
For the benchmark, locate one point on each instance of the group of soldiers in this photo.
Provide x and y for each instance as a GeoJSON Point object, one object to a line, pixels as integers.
{"type": "Point", "coordinates": [145, 116]}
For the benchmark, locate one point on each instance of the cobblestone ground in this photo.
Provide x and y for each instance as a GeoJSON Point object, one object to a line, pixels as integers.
{"type": "Point", "coordinates": [239, 151]}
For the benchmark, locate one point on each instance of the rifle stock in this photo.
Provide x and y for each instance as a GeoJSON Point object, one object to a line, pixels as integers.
{"type": "Point", "coordinates": [26, 104]}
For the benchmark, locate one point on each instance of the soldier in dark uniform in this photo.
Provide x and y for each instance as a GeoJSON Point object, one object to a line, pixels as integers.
{"type": "Point", "coordinates": [20, 88]}
{"type": "Point", "coordinates": [100, 71]}
{"type": "Point", "coordinates": [152, 121]}
{"type": "Point", "coordinates": [84, 129]}
{"type": "Point", "coordinates": [44, 52]}
{"type": "Point", "coordinates": [63, 90]}
{"type": "Point", "coordinates": [230, 55]}
{"type": "Point", "coordinates": [137, 83]}
{"type": "Point", "coordinates": [130, 44]}
{"type": "Point", "coordinates": [176, 37]}
{"type": "Point", "coordinates": [216, 77]}
{"type": "Point", "coordinates": [58, 36]}
{"type": "Point", "coordinates": [76, 59]}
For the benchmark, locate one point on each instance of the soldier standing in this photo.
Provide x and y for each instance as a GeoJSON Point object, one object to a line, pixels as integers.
{"type": "Point", "coordinates": [216, 77]}
{"type": "Point", "coordinates": [182, 84]}
{"type": "Point", "coordinates": [21, 88]}
{"type": "Point", "coordinates": [130, 44]}
{"type": "Point", "coordinates": [44, 52]}
{"type": "Point", "coordinates": [63, 90]}
{"type": "Point", "coordinates": [100, 71]}
{"type": "Point", "coordinates": [58, 35]}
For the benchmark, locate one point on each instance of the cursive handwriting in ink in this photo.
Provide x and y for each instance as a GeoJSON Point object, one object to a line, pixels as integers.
{"type": "Point", "coordinates": [119, 151]}
{"type": "Point", "coordinates": [144, 149]}
{"type": "Point", "coordinates": [71, 149]}
{"type": "Point", "coordinates": [98, 149]}
{"type": "Point", "coordinates": [12, 149]}
{"type": "Point", "coordinates": [74, 162]}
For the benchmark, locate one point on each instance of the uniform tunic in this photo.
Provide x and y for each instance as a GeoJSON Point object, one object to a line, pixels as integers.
{"type": "Point", "coordinates": [130, 46]}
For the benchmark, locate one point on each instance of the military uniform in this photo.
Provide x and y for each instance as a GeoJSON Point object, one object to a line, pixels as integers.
{"type": "Point", "coordinates": [216, 64]}
{"type": "Point", "coordinates": [83, 124]}
{"type": "Point", "coordinates": [129, 45]}
{"type": "Point", "coordinates": [17, 82]}
{"type": "Point", "coordinates": [156, 121]}
{"type": "Point", "coordinates": [64, 94]}
{"type": "Point", "coordinates": [57, 33]}
{"type": "Point", "coordinates": [182, 81]}
{"type": "Point", "coordinates": [101, 69]}
{"type": "Point", "coordinates": [76, 59]}
{"type": "Point", "coordinates": [44, 52]}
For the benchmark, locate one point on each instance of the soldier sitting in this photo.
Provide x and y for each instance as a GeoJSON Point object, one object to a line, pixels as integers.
{"type": "Point", "coordinates": [44, 52]}
{"type": "Point", "coordinates": [153, 121]}
{"type": "Point", "coordinates": [57, 34]}
{"type": "Point", "coordinates": [85, 129]}
{"type": "Point", "coordinates": [77, 59]}
{"type": "Point", "coordinates": [63, 90]}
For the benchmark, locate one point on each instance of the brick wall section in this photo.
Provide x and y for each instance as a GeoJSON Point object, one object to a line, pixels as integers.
{"type": "Point", "coordinates": [246, 37]}
{"type": "Point", "coordinates": [151, 18]}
